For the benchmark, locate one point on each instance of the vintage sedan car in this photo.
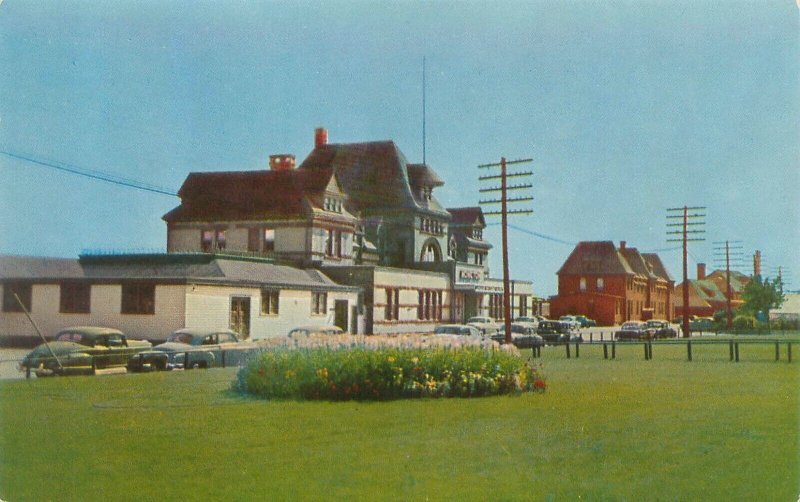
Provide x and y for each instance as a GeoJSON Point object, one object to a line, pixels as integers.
{"type": "Point", "coordinates": [701, 324]}
{"type": "Point", "coordinates": [316, 329]}
{"type": "Point", "coordinates": [634, 330]}
{"type": "Point", "coordinates": [585, 321]}
{"type": "Point", "coordinates": [573, 321]}
{"type": "Point", "coordinates": [558, 332]}
{"type": "Point", "coordinates": [522, 336]}
{"type": "Point", "coordinates": [530, 321]}
{"type": "Point", "coordinates": [190, 348]}
{"type": "Point", "coordinates": [486, 325]}
{"type": "Point", "coordinates": [457, 329]}
{"type": "Point", "coordinates": [82, 350]}
{"type": "Point", "coordinates": [661, 329]}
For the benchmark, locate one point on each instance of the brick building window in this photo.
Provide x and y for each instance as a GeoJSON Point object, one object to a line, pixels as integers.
{"type": "Point", "coordinates": [392, 309]}
{"type": "Point", "coordinates": [139, 298]}
{"type": "Point", "coordinates": [75, 298]}
{"type": "Point", "coordinates": [430, 305]}
{"type": "Point", "coordinates": [207, 241]}
{"type": "Point", "coordinates": [319, 303]}
{"type": "Point", "coordinates": [600, 284]}
{"type": "Point", "coordinates": [23, 290]}
{"type": "Point", "coordinates": [583, 284]}
{"type": "Point", "coordinates": [270, 299]}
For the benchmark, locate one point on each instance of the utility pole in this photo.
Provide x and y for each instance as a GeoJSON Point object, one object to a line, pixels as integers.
{"type": "Point", "coordinates": [737, 248]}
{"type": "Point", "coordinates": [688, 220]}
{"type": "Point", "coordinates": [504, 188]}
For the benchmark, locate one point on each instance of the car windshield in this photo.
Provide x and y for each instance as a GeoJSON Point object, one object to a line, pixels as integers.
{"type": "Point", "coordinates": [478, 319]}
{"type": "Point", "coordinates": [186, 338]}
{"type": "Point", "coordinates": [656, 324]}
{"type": "Point", "coordinates": [631, 325]}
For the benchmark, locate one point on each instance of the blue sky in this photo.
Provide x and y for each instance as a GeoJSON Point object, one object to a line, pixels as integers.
{"type": "Point", "coordinates": [627, 108]}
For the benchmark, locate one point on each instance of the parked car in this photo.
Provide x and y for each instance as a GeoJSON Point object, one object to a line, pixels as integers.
{"type": "Point", "coordinates": [572, 320]}
{"type": "Point", "coordinates": [457, 329]}
{"type": "Point", "coordinates": [82, 350]}
{"type": "Point", "coordinates": [522, 336]}
{"type": "Point", "coordinates": [530, 321]}
{"type": "Point", "coordinates": [190, 348]}
{"type": "Point", "coordinates": [661, 329]}
{"type": "Point", "coordinates": [316, 329]}
{"type": "Point", "coordinates": [558, 332]}
{"type": "Point", "coordinates": [486, 325]}
{"type": "Point", "coordinates": [585, 321]}
{"type": "Point", "coordinates": [634, 330]}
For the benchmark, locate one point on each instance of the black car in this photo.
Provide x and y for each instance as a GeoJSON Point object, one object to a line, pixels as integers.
{"type": "Point", "coordinates": [634, 330]}
{"type": "Point", "coordinates": [556, 332]}
{"type": "Point", "coordinates": [661, 329]}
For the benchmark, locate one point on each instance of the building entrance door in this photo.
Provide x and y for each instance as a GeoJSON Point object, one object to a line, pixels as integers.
{"type": "Point", "coordinates": [340, 314]}
{"type": "Point", "coordinates": [240, 316]}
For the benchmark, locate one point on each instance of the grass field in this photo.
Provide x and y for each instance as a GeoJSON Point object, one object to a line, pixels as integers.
{"type": "Point", "coordinates": [626, 429]}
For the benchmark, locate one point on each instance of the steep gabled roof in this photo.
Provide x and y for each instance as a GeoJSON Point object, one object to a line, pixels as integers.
{"type": "Point", "coordinates": [467, 216]}
{"type": "Point", "coordinates": [244, 195]}
{"type": "Point", "coordinates": [374, 175]}
{"type": "Point", "coordinates": [657, 266]}
{"type": "Point", "coordinates": [637, 262]}
{"type": "Point", "coordinates": [595, 257]}
{"type": "Point", "coordinates": [702, 294]}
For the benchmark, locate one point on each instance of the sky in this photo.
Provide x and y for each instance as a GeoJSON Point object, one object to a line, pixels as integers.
{"type": "Point", "coordinates": [626, 108]}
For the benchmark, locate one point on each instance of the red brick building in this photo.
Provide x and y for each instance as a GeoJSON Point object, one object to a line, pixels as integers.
{"type": "Point", "coordinates": [613, 285]}
{"type": "Point", "coordinates": [709, 293]}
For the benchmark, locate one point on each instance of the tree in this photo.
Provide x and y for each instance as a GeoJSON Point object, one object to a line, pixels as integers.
{"type": "Point", "coordinates": [762, 295]}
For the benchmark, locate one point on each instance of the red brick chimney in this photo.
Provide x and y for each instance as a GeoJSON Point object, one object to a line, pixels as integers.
{"type": "Point", "coordinates": [281, 162]}
{"type": "Point", "coordinates": [701, 271]}
{"type": "Point", "coordinates": [622, 245]}
{"type": "Point", "coordinates": [320, 137]}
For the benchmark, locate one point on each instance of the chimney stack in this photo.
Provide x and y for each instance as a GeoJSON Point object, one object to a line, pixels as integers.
{"type": "Point", "coordinates": [320, 137]}
{"type": "Point", "coordinates": [757, 263]}
{"type": "Point", "coordinates": [281, 162]}
{"type": "Point", "coordinates": [701, 271]}
{"type": "Point", "coordinates": [622, 245]}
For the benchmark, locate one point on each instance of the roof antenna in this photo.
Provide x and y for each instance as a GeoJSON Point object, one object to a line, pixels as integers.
{"type": "Point", "coordinates": [423, 110]}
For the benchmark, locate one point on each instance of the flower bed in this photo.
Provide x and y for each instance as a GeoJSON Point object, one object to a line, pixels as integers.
{"type": "Point", "coordinates": [386, 367]}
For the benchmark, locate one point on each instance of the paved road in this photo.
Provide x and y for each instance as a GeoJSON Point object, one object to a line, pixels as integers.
{"type": "Point", "coordinates": [9, 360]}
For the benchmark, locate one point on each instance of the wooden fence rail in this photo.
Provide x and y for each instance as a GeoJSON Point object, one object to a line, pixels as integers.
{"type": "Point", "coordinates": [733, 347]}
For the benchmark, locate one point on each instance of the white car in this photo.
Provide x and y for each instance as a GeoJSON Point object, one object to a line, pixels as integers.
{"type": "Point", "coordinates": [573, 321]}
{"type": "Point", "coordinates": [486, 325]}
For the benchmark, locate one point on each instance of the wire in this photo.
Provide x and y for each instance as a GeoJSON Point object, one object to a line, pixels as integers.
{"type": "Point", "coordinates": [96, 175]}
{"type": "Point", "coordinates": [535, 234]}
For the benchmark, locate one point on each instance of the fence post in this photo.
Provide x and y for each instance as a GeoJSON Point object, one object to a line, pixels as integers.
{"type": "Point", "coordinates": [601, 336]}
{"type": "Point", "coordinates": [222, 356]}
{"type": "Point", "coordinates": [650, 349]}
{"type": "Point", "coordinates": [730, 343]}
{"type": "Point", "coordinates": [646, 355]}
{"type": "Point", "coordinates": [736, 351]}
{"type": "Point", "coordinates": [689, 349]}
{"type": "Point", "coordinates": [577, 350]}
{"type": "Point", "coordinates": [567, 346]}
{"type": "Point", "coordinates": [186, 360]}
{"type": "Point", "coordinates": [613, 349]}
{"type": "Point", "coordinates": [777, 351]}
{"type": "Point", "coordinates": [605, 351]}
{"type": "Point", "coordinates": [789, 351]}
{"type": "Point", "coordinates": [591, 337]}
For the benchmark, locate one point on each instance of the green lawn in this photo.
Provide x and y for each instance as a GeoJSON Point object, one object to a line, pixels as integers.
{"type": "Point", "coordinates": [626, 429]}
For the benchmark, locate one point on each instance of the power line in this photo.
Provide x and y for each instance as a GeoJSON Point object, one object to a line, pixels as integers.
{"type": "Point", "coordinates": [95, 175]}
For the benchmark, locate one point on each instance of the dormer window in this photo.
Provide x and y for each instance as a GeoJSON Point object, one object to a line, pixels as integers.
{"type": "Point", "coordinates": [333, 204]}
{"type": "Point", "coordinates": [477, 234]}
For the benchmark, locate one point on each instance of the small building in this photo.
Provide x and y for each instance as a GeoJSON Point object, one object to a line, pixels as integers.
{"type": "Point", "coordinates": [613, 285]}
{"type": "Point", "coordinates": [149, 296]}
{"type": "Point", "coordinates": [709, 293]}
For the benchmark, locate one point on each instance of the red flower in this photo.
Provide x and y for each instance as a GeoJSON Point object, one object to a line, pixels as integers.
{"type": "Point", "coordinates": [539, 384]}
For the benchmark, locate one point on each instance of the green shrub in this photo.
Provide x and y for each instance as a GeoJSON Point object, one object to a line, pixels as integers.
{"type": "Point", "coordinates": [744, 322]}
{"type": "Point", "coordinates": [365, 373]}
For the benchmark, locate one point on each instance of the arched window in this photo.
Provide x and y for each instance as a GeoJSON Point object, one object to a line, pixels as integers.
{"type": "Point", "coordinates": [431, 252]}
{"type": "Point", "coordinates": [452, 250]}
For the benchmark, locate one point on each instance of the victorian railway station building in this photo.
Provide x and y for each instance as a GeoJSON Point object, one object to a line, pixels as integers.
{"type": "Point", "coordinates": [352, 236]}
